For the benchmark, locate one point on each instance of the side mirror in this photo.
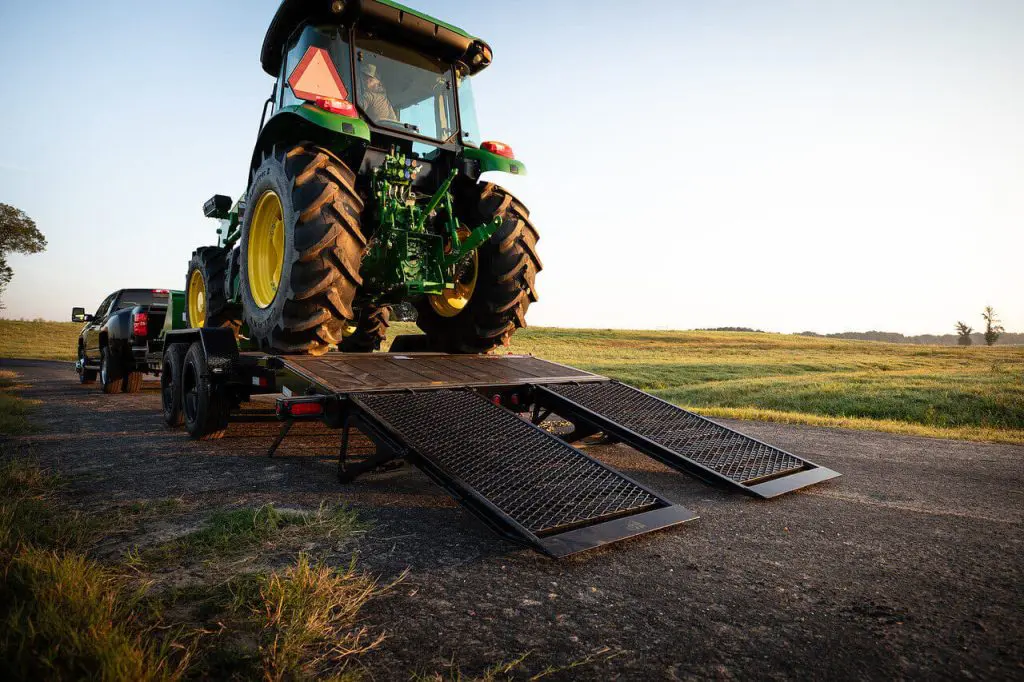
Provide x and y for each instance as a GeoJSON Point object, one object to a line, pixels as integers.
{"type": "Point", "coordinates": [78, 315]}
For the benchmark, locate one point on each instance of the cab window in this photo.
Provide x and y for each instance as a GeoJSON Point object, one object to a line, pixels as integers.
{"type": "Point", "coordinates": [397, 87]}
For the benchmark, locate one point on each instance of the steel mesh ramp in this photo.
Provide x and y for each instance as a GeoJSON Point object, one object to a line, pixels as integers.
{"type": "Point", "coordinates": [681, 439]}
{"type": "Point", "coordinates": [531, 486]}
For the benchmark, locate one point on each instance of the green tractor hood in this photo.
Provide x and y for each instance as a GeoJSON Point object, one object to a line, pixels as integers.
{"type": "Point", "coordinates": [431, 35]}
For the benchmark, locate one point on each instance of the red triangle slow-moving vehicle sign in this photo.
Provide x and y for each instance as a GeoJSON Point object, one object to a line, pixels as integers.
{"type": "Point", "coordinates": [315, 76]}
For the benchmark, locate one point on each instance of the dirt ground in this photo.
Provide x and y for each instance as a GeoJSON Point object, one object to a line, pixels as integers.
{"type": "Point", "coordinates": [907, 566]}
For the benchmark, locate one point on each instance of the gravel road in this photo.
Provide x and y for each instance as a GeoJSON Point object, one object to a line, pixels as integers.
{"type": "Point", "coordinates": [909, 566]}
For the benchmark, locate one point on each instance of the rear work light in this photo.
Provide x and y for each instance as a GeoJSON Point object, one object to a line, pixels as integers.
{"type": "Point", "coordinates": [499, 148]}
{"type": "Point", "coordinates": [140, 324]}
{"type": "Point", "coordinates": [337, 106]}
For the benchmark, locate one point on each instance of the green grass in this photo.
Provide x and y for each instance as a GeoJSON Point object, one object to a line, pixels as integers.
{"type": "Point", "coordinates": [974, 393]}
{"type": "Point", "coordinates": [230, 533]}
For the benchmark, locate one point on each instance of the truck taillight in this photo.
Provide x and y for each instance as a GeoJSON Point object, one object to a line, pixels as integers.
{"type": "Point", "coordinates": [140, 324]}
{"type": "Point", "coordinates": [499, 148]}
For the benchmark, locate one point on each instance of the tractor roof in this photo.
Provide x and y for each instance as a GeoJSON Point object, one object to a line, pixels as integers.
{"type": "Point", "coordinates": [398, 21]}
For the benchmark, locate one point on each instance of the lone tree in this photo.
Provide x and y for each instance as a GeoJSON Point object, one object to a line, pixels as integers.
{"type": "Point", "coordinates": [992, 327]}
{"type": "Point", "coordinates": [18, 234]}
{"type": "Point", "coordinates": [964, 333]}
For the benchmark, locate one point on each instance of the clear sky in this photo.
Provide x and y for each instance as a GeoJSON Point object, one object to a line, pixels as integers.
{"type": "Point", "coordinates": [783, 165]}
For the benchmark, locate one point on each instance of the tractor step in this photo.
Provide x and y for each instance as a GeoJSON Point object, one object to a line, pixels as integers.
{"type": "Point", "coordinates": [527, 484]}
{"type": "Point", "coordinates": [681, 439]}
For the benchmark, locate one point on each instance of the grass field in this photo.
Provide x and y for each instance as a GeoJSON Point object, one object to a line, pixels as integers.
{"type": "Point", "coordinates": [974, 393]}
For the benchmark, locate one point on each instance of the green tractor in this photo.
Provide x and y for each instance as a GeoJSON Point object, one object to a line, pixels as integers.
{"type": "Point", "coordinates": [364, 192]}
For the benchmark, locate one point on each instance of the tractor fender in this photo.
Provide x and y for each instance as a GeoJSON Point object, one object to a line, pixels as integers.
{"type": "Point", "coordinates": [488, 161]}
{"type": "Point", "coordinates": [303, 122]}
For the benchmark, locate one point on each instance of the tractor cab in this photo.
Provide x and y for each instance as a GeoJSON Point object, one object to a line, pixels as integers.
{"type": "Point", "coordinates": [399, 72]}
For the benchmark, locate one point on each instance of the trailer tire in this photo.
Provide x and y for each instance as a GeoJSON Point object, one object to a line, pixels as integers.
{"type": "Point", "coordinates": [504, 286]}
{"type": "Point", "coordinates": [170, 384]}
{"type": "Point", "coordinates": [301, 249]}
{"type": "Point", "coordinates": [111, 379]}
{"type": "Point", "coordinates": [207, 275]}
{"type": "Point", "coordinates": [132, 382]}
{"type": "Point", "coordinates": [204, 404]}
{"type": "Point", "coordinates": [371, 330]}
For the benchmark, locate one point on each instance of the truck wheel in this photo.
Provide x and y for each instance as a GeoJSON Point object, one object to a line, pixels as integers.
{"type": "Point", "coordinates": [495, 285]}
{"type": "Point", "coordinates": [206, 297]}
{"type": "Point", "coordinates": [132, 382]}
{"type": "Point", "coordinates": [111, 378]}
{"type": "Point", "coordinates": [170, 383]}
{"type": "Point", "coordinates": [301, 249]}
{"type": "Point", "coordinates": [204, 405]}
{"type": "Point", "coordinates": [370, 331]}
{"type": "Point", "coordinates": [85, 376]}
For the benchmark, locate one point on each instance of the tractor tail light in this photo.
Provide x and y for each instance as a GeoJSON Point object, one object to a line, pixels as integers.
{"type": "Point", "coordinates": [140, 324]}
{"type": "Point", "coordinates": [337, 106]}
{"type": "Point", "coordinates": [499, 148]}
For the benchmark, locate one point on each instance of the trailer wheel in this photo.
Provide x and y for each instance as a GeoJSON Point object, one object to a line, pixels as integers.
{"type": "Point", "coordinates": [370, 331]}
{"type": "Point", "coordinates": [170, 383]}
{"type": "Point", "coordinates": [111, 378]}
{"type": "Point", "coordinates": [496, 284]}
{"type": "Point", "coordinates": [85, 376]}
{"type": "Point", "coordinates": [301, 250]}
{"type": "Point", "coordinates": [204, 405]}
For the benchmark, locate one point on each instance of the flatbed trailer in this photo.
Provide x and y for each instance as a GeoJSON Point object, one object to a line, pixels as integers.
{"type": "Point", "coordinates": [472, 423]}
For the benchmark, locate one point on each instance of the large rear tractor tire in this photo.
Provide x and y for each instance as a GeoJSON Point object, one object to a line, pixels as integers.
{"type": "Point", "coordinates": [370, 331]}
{"type": "Point", "coordinates": [301, 249]}
{"type": "Point", "coordinates": [204, 405]}
{"type": "Point", "coordinates": [111, 376]}
{"type": "Point", "coordinates": [170, 384]}
{"type": "Point", "coordinates": [206, 297]}
{"type": "Point", "coordinates": [496, 285]}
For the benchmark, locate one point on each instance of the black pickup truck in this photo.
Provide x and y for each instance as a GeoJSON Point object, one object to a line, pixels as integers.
{"type": "Point", "coordinates": [116, 342]}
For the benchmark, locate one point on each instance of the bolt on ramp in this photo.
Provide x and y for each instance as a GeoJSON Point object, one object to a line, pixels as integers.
{"type": "Point", "coordinates": [682, 440]}
{"type": "Point", "coordinates": [531, 486]}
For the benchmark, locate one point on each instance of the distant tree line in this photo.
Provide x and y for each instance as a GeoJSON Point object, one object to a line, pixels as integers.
{"type": "Point", "coordinates": [1007, 338]}
{"type": "Point", "coordinates": [731, 329]}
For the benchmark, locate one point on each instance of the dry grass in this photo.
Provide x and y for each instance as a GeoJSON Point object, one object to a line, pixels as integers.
{"type": "Point", "coordinates": [39, 340]}
{"type": "Point", "coordinates": [69, 615]}
{"type": "Point", "coordinates": [14, 409]}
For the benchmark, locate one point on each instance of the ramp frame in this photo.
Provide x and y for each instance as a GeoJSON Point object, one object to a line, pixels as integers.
{"type": "Point", "coordinates": [604, 505]}
{"type": "Point", "coordinates": [791, 474]}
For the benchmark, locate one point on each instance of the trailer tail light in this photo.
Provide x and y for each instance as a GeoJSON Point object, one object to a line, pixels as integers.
{"type": "Point", "coordinates": [162, 291]}
{"type": "Point", "coordinates": [140, 324]}
{"type": "Point", "coordinates": [337, 106]}
{"type": "Point", "coordinates": [499, 148]}
{"type": "Point", "coordinates": [299, 409]}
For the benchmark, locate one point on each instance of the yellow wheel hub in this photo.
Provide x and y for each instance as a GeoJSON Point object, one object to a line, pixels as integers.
{"type": "Point", "coordinates": [197, 299]}
{"type": "Point", "coordinates": [452, 301]}
{"type": "Point", "coordinates": [266, 249]}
